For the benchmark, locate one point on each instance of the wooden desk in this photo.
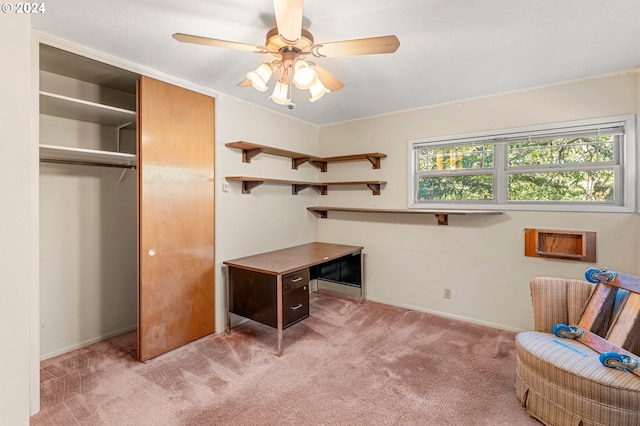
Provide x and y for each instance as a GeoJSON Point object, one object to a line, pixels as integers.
{"type": "Point", "coordinates": [262, 275]}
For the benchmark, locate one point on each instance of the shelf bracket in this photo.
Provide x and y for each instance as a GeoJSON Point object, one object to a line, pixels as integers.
{"type": "Point", "coordinates": [375, 188]}
{"type": "Point", "coordinates": [124, 171]}
{"type": "Point", "coordinates": [322, 214]}
{"type": "Point", "coordinates": [443, 218]}
{"type": "Point", "coordinates": [322, 189]}
{"type": "Point", "coordinates": [297, 187]}
{"type": "Point", "coordinates": [375, 161]}
{"type": "Point", "coordinates": [295, 162]}
{"type": "Point", "coordinates": [322, 165]}
{"type": "Point", "coordinates": [118, 134]}
{"type": "Point", "coordinates": [247, 186]}
{"type": "Point", "coordinates": [248, 154]}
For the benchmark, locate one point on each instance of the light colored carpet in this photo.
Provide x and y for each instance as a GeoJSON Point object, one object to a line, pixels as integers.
{"type": "Point", "coordinates": [347, 364]}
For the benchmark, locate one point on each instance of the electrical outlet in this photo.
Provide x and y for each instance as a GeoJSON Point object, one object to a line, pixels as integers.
{"type": "Point", "coordinates": [447, 293]}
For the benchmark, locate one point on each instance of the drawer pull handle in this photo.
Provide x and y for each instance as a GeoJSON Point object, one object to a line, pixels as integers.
{"type": "Point", "coordinates": [296, 307]}
{"type": "Point", "coordinates": [295, 280]}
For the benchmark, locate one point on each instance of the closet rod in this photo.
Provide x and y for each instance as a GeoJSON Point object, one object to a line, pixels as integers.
{"type": "Point", "coordinates": [86, 163]}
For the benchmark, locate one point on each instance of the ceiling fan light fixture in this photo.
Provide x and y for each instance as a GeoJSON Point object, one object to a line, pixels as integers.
{"type": "Point", "coordinates": [260, 77]}
{"type": "Point", "coordinates": [288, 43]}
{"type": "Point", "coordinates": [280, 94]}
{"type": "Point", "coordinates": [304, 76]}
{"type": "Point", "coordinates": [317, 91]}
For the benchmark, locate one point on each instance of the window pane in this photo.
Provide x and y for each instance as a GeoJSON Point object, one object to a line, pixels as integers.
{"type": "Point", "coordinates": [455, 157]}
{"type": "Point", "coordinates": [561, 151]}
{"type": "Point", "coordinates": [592, 186]}
{"type": "Point", "coordinates": [456, 188]}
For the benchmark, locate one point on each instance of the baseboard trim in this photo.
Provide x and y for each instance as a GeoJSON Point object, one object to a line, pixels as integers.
{"type": "Point", "coordinates": [448, 315]}
{"type": "Point", "coordinates": [88, 342]}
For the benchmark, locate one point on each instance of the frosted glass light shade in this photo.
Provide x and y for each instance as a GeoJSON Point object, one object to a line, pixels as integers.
{"type": "Point", "coordinates": [279, 94]}
{"type": "Point", "coordinates": [260, 77]}
{"type": "Point", "coordinates": [305, 76]}
{"type": "Point", "coordinates": [317, 91]}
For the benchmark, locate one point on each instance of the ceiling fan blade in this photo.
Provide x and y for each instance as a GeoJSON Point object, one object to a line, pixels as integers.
{"type": "Point", "coordinates": [288, 19]}
{"type": "Point", "coordinates": [245, 83]}
{"type": "Point", "coordinates": [362, 46]}
{"type": "Point", "coordinates": [187, 38]}
{"type": "Point", "coordinates": [327, 79]}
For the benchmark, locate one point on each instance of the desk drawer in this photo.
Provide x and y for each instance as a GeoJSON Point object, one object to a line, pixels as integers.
{"type": "Point", "coordinates": [295, 280]}
{"type": "Point", "coordinates": [295, 297]}
{"type": "Point", "coordinates": [253, 295]}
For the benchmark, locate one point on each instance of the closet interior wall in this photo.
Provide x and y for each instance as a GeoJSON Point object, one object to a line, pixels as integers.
{"type": "Point", "coordinates": [88, 231]}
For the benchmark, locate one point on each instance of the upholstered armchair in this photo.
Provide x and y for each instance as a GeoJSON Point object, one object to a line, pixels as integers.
{"type": "Point", "coordinates": [561, 382]}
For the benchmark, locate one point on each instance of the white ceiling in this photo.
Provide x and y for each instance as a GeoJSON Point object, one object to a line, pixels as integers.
{"type": "Point", "coordinates": [449, 49]}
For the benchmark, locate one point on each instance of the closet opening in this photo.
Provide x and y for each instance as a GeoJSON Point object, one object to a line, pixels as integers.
{"type": "Point", "coordinates": [88, 236]}
{"type": "Point", "coordinates": [127, 188]}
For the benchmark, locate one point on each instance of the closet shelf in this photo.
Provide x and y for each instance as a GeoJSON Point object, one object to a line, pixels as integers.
{"type": "Point", "coordinates": [250, 150]}
{"type": "Point", "coordinates": [79, 109]}
{"type": "Point", "coordinates": [441, 215]}
{"type": "Point", "coordinates": [70, 155]}
{"type": "Point", "coordinates": [249, 183]}
{"type": "Point", "coordinates": [67, 64]}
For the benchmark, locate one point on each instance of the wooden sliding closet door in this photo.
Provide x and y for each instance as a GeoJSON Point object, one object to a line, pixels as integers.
{"type": "Point", "coordinates": [175, 217]}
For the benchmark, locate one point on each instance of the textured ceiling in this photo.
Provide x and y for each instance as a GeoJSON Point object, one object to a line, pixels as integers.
{"type": "Point", "coordinates": [449, 49]}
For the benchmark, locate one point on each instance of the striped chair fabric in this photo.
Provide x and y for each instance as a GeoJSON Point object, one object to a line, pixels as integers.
{"type": "Point", "coordinates": [561, 382]}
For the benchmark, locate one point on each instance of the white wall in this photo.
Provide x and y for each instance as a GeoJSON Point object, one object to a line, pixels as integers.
{"type": "Point", "coordinates": [410, 259]}
{"type": "Point", "coordinates": [88, 275]}
{"type": "Point", "coordinates": [270, 217]}
{"type": "Point", "coordinates": [18, 227]}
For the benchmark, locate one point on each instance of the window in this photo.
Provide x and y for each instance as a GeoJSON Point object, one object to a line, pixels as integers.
{"type": "Point", "coordinates": [578, 166]}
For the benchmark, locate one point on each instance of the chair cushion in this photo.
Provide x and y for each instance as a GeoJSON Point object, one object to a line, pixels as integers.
{"type": "Point", "coordinates": [561, 381]}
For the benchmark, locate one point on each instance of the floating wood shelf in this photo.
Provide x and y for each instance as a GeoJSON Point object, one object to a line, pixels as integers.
{"type": "Point", "coordinates": [373, 157]}
{"type": "Point", "coordinates": [568, 245]}
{"type": "Point", "coordinates": [250, 150]}
{"type": "Point", "coordinates": [442, 216]}
{"type": "Point", "coordinates": [249, 183]}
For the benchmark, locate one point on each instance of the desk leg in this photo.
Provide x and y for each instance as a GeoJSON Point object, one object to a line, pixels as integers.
{"type": "Point", "coordinates": [226, 281]}
{"type": "Point", "coordinates": [279, 310]}
{"type": "Point", "coordinates": [362, 277]}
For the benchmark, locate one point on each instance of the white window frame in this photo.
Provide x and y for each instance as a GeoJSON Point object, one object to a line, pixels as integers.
{"type": "Point", "coordinates": [625, 187]}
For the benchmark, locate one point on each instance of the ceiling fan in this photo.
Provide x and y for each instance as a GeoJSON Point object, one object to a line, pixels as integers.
{"type": "Point", "coordinates": [289, 43]}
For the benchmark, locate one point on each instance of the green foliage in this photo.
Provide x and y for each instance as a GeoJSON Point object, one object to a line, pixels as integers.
{"type": "Point", "coordinates": [456, 157]}
{"type": "Point", "coordinates": [532, 171]}
{"type": "Point", "coordinates": [560, 151]}
{"type": "Point", "coordinates": [595, 185]}
{"type": "Point", "coordinates": [474, 187]}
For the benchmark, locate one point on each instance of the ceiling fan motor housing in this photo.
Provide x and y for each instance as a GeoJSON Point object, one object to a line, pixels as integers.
{"type": "Point", "coordinates": [274, 43]}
